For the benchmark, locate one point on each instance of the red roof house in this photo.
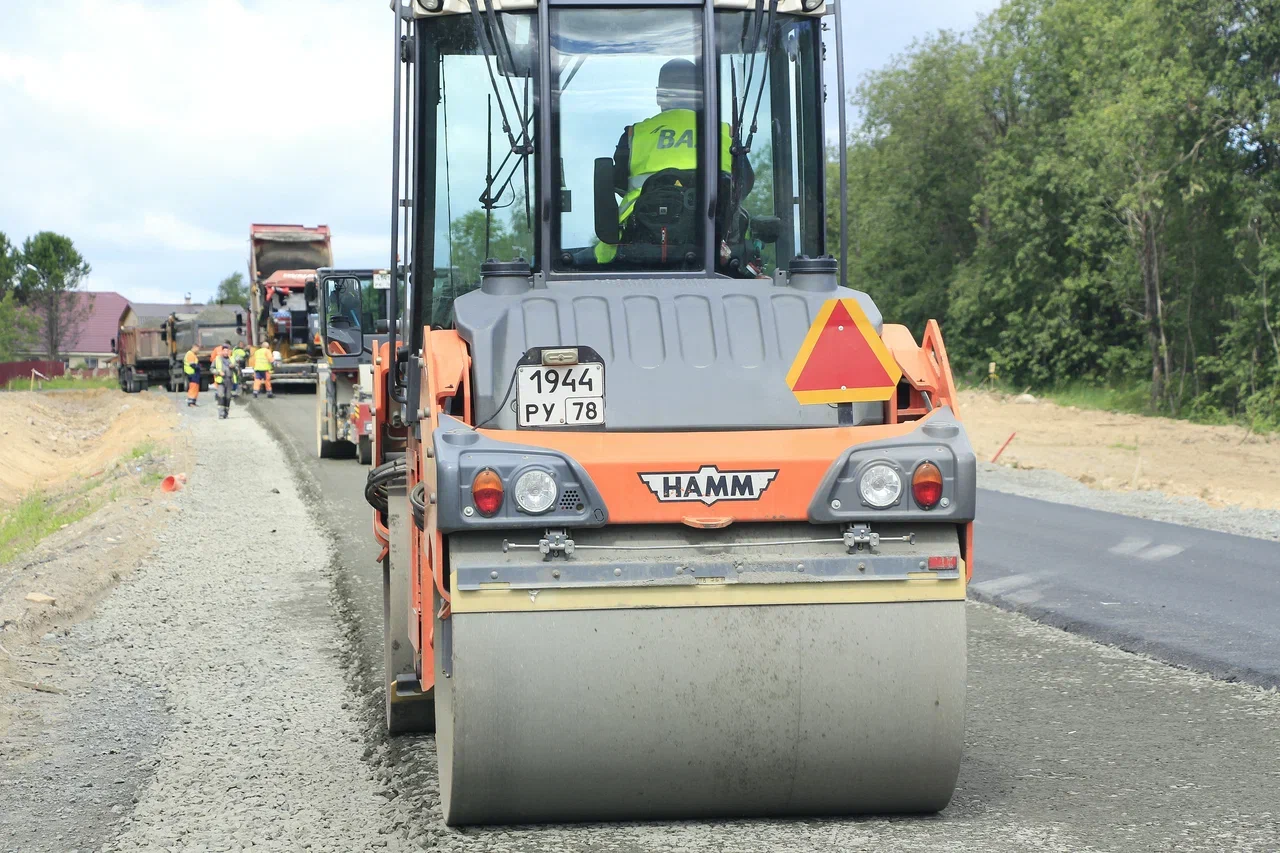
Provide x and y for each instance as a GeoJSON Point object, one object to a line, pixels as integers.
{"type": "Point", "coordinates": [89, 341]}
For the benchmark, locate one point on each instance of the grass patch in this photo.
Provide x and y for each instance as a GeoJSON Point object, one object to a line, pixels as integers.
{"type": "Point", "coordinates": [148, 447]}
{"type": "Point", "coordinates": [62, 383]}
{"type": "Point", "coordinates": [1120, 445]}
{"type": "Point", "coordinates": [41, 513]}
{"type": "Point", "coordinates": [36, 516]}
{"type": "Point", "coordinates": [1134, 399]}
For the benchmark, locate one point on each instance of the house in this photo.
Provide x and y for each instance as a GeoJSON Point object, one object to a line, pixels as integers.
{"type": "Point", "coordinates": [90, 342]}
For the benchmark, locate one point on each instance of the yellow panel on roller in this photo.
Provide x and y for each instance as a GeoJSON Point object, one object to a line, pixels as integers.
{"type": "Point", "coordinates": [738, 594]}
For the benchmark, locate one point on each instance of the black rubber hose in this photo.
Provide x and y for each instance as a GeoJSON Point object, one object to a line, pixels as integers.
{"type": "Point", "coordinates": [375, 485]}
{"type": "Point", "coordinates": [418, 500]}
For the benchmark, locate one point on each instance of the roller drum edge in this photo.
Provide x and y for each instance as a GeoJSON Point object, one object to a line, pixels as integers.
{"type": "Point", "coordinates": [729, 711]}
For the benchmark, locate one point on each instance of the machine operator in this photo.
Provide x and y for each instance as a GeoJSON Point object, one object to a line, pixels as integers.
{"type": "Point", "coordinates": [668, 140]}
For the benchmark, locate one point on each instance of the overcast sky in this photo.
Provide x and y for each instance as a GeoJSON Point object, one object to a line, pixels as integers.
{"type": "Point", "coordinates": [154, 133]}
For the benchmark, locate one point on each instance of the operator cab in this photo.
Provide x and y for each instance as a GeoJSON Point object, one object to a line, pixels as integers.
{"type": "Point", "coordinates": [681, 140]}
{"type": "Point", "coordinates": [353, 312]}
{"type": "Point", "coordinates": [643, 183]}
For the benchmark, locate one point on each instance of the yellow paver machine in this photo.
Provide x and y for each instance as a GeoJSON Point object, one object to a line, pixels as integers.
{"type": "Point", "coordinates": [672, 523]}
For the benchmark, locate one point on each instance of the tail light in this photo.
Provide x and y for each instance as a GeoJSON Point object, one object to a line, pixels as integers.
{"type": "Point", "coordinates": [486, 491]}
{"type": "Point", "coordinates": [926, 485]}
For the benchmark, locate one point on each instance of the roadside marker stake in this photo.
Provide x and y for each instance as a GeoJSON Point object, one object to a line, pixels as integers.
{"type": "Point", "coordinates": [1007, 441]}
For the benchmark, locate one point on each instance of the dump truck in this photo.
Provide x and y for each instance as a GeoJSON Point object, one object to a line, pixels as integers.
{"type": "Point", "coordinates": [353, 319]}
{"type": "Point", "coordinates": [143, 358]}
{"type": "Point", "coordinates": [673, 523]}
{"type": "Point", "coordinates": [208, 327]}
{"type": "Point", "coordinates": [283, 260]}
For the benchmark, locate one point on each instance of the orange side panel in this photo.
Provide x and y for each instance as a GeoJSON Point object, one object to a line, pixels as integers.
{"type": "Point", "coordinates": [381, 410]}
{"type": "Point", "coordinates": [916, 367]}
{"type": "Point", "coordinates": [417, 558]}
{"type": "Point", "coordinates": [933, 346]}
{"type": "Point", "coordinates": [446, 366]}
{"type": "Point", "coordinates": [615, 461]}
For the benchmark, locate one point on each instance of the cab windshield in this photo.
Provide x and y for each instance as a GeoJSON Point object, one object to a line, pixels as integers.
{"type": "Point", "coordinates": [627, 110]}
{"type": "Point", "coordinates": [355, 306]}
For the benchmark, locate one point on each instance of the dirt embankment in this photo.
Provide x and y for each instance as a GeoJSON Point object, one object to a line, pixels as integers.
{"type": "Point", "coordinates": [1222, 465]}
{"type": "Point", "coordinates": [80, 498]}
{"type": "Point", "coordinates": [50, 437]}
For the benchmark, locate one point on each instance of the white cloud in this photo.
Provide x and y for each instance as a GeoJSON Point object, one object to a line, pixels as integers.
{"type": "Point", "coordinates": [165, 231]}
{"type": "Point", "coordinates": [362, 250]}
{"type": "Point", "coordinates": [154, 132]}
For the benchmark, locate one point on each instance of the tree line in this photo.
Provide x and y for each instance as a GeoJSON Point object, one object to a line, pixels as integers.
{"type": "Point", "coordinates": [1084, 190]}
{"type": "Point", "coordinates": [40, 308]}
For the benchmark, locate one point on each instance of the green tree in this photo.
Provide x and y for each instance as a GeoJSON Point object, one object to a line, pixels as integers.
{"type": "Point", "coordinates": [232, 290]}
{"type": "Point", "coordinates": [1085, 190]}
{"type": "Point", "coordinates": [17, 328]}
{"type": "Point", "coordinates": [50, 283]}
{"type": "Point", "coordinates": [8, 265]}
{"type": "Point", "coordinates": [474, 238]}
{"type": "Point", "coordinates": [912, 177]}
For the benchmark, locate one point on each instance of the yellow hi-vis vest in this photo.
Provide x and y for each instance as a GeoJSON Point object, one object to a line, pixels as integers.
{"type": "Point", "coordinates": [219, 368]}
{"type": "Point", "coordinates": [238, 354]}
{"type": "Point", "coordinates": [669, 140]}
{"type": "Point", "coordinates": [189, 362]}
{"type": "Point", "coordinates": [262, 359]}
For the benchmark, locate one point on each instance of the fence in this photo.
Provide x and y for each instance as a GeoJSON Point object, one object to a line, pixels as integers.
{"type": "Point", "coordinates": [15, 369]}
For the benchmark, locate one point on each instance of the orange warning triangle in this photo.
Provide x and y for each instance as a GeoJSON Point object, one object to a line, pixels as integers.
{"type": "Point", "coordinates": [842, 359]}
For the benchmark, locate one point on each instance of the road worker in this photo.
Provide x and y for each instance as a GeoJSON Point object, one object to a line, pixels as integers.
{"type": "Point", "coordinates": [222, 379]}
{"type": "Point", "coordinates": [191, 367]}
{"type": "Point", "coordinates": [239, 360]}
{"type": "Point", "coordinates": [262, 357]}
{"type": "Point", "coordinates": [668, 140]}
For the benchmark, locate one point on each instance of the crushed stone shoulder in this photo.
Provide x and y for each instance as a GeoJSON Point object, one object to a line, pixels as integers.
{"type": "Point", "coordinates": [1052, 486]}
{"type": "Point", "coordinates": [232, 616]}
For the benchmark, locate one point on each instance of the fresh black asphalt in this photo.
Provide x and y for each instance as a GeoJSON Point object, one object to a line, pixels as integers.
{"type": "Point", "coordinates": [1193, 597]}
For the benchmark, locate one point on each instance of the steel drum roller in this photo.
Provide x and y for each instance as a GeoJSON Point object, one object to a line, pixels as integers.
{"type": "Point", "coordinates": [683, 712]}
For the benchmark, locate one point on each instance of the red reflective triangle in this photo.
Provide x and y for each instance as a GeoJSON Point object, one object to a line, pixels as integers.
{"type": "Point", "coordinates": [841, 358]}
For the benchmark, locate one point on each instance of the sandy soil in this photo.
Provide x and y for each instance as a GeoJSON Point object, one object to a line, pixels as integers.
{"type": "Point", "coordinates": [1222, 465]}
{"type": "Point", "coordinates": [78, 446]}
{"type": "Point", "coordinates": [52, 436]}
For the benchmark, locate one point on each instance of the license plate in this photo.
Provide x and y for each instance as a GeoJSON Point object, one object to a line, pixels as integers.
{"type": "Point", "coordinates": [550, 396]}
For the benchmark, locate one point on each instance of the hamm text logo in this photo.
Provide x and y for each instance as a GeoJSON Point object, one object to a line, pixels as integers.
{"type": "Point", "coordinates": [709, 484]}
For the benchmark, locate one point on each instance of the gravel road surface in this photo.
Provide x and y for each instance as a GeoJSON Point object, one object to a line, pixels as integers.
{"type": "Point", "coordinates": [211, 686]}
{"type": "Point", "coordinates": [225, 697]}
{"type": "Point", "coordinates": [1072, 745]}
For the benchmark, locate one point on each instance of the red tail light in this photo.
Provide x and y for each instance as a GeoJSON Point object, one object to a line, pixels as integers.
{"type": "Point", "coordinates": [486, 491]}
{"type": "Point", "coordinates": [926, 485]}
